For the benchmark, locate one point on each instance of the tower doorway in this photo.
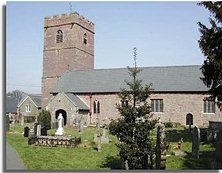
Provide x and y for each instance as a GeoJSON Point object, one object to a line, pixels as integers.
{"type": "Point", "coordinates": [64, 114]}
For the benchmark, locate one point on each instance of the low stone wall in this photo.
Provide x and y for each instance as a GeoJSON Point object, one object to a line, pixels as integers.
{"type": "Point", "coordinates": [54, 141]}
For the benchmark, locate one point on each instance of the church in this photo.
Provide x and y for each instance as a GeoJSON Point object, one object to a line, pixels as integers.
{"type": "Point", "coordinates": [72, 87]}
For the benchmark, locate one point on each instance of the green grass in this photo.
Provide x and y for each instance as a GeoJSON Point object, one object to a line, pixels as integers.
{"type": "Point", "coordinates": [86, 157]}
{"type": "Point", "coordinates": [206, 156]}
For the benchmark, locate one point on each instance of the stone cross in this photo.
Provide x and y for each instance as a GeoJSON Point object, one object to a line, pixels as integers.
{"type": "Point", "coordinates": [60, 130]}
{"type": "Point", "coordinates": [98, 135]}
{"type": "Point", "coordinates": [195, 141]}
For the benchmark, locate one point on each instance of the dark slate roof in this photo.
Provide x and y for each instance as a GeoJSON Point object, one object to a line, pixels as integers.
{"type": "Point", "coordinates": [36, 99]}
{"type": "Point", "coordinates": [164, 79]}
{"type": "Point", "coordinates": [77, 101]}
{"type": "Point", "coordinates": [11, 105]}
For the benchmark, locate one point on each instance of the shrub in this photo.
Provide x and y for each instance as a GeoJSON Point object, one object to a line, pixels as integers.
{"type": "Point", "coordinates": [44, 119]}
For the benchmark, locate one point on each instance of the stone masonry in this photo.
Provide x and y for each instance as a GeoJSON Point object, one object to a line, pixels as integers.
{"type": "Point", "coordinates": [175, 107]}
{"type": "Point", "coordinates": [70, 54]}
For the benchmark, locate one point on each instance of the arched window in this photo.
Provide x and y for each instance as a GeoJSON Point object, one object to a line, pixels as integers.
{"type": "Point", "coordinates": [59, 36]}
{"type": "Point", "coordinates": [85, 39]}
{"type": "Point", "coordinates": [96, 107]}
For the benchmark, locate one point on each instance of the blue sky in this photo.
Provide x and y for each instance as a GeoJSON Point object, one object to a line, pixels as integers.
{"type": "Point", "coordinates": [165, 34]}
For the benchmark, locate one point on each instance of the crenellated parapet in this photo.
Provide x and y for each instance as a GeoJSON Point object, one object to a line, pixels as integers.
{"type": "Point", "coordinates": [71, 19]}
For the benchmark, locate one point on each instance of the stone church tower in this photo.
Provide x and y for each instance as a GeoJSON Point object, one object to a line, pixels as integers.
{"type": "Point", "coordinates": [68, 45]}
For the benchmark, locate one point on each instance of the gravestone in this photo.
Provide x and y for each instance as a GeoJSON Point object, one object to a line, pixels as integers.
{"type": "Point", "coordinates": [80, 123]}
{"type": "Point", "coordinates": [218, 155]}
{"type": "Point", "coordinates": [60, 130]}
{"type": "Point", "coordinates": [195, 142]}
{"type": "Point", "coordinates": [35, 128]}
{"type": "Point", "coordinates": [38, 131]}
{"type": "Point", "coordinates": [105, 136]}
{"type": "Point", "coordinates": [98, 134]}
{"type": "Point", "coordinates": [26, 131]}
{"type": "Point", "coordinates": [161, 147]}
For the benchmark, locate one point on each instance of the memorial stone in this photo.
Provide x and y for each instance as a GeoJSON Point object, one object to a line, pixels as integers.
{"type": "Point", "coordinates": [195, 142]}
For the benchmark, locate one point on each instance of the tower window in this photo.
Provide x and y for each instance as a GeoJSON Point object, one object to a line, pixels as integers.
{"type": "Point", "coordinates": [85, 39]}
{"type": "Point", "coordinates": [59, 36]}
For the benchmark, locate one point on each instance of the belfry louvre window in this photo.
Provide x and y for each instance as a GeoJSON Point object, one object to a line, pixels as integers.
{"type": "Point", "coordinates": [209, 106]}
{"type": "Point", "coordinates": [59, 36]}
{"type": "Point", "coordinates": [85, 39]}
{"type": "Point", "coordinates": [156, 105]}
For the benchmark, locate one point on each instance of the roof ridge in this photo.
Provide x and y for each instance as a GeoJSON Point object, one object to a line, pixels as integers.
{"type": "Point", "coordinates": [122, 68]}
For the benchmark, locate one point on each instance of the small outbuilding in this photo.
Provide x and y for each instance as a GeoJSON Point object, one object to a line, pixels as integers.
{"type": "Point", "coordinates": [29, 108]}
{"type": "Point", "coordinates": [73, 109]}
{"type": "Point", "coordinates": [11, 109]}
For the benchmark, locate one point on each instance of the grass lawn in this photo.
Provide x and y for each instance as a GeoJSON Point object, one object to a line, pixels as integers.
{"type": "Point", "coordinates": [206, 156]}
{"type": "Point", "coordinates": [83, 157]}
{"type": "Point", "coordinates": [86, 157]}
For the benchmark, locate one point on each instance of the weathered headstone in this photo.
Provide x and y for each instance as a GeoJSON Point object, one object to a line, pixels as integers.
{"type": "Point", "coordinates": [26, 131]}
{"type": "Point", "coordinates": [161, 147]}
{"type": "Point", "coordinates": [22, 120]}
{"type": "Point", "coordinates": [81, 122]}
{"type": "Point", "coordinates": [98, 133]}
{"type": "Point", "coordinates": [38, 133]}
{"type": "Point", "coordinates": [195, 142]}
{"type": "Point", "coordinates": [35, 128]}
{"type": "Point", "coordinates": [60, 130]}
{"type": "Point", "coordinates": [105, 136]}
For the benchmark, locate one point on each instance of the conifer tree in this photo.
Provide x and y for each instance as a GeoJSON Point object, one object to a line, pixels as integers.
{"type": "Point", "coordinates": [134, 127]}
{"type": "Point", "coordinates": [211, 45]}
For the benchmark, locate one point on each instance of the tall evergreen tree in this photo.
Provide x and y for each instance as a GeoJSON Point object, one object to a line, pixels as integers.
{"type": "Point", "coordinates": [211, 45]}
{"type": "Point", "coordinates": [134, 127]}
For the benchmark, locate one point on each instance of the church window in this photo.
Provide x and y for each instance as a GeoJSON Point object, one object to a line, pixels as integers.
{"type": "Point", "coordinates": [157, 105]}
{"type": "Point", "coordinates": [59, 36]}
{"type": "Point", "coordinates": [209, 106]}
{"type": "Point", "coordinates": [96, 107]}
{"type": "Point", "coordinates": [85, 39]}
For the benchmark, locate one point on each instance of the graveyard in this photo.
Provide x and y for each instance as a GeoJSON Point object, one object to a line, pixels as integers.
{"type": "Point", "coordinates": [180, 152]}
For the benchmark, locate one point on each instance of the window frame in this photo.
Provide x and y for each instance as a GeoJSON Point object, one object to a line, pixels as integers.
{"type": "Point", "coordinates": [157, 105]}
{"type": "Point", "coordinates": [209, 106]}
{"type": "Point", "coordinates": [85, 39]}
{"type": "Point", "coordinates": [96, 107]}
{"type": "Point", "coordinates": [27, 108]}
{"type": "Point", "coordinates": [59, 36]}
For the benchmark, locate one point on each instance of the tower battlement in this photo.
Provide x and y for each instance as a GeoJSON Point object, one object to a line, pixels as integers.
{"type": "Point", "coordinates": [68, 18]}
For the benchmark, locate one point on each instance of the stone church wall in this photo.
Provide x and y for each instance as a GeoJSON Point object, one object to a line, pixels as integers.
{"type": "Point", "coordinates": [176, 107]}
